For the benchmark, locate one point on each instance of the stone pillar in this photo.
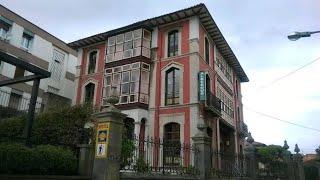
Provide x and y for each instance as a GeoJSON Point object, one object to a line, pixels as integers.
{"type": "Point", "coordinates": [137, 128]}
{"type": "Point", "coordinates": [86, 158]}
{"type": "Point", "coordinates": [251, 164]}
{"type": "Point", "coordinates": [202, 143]}
{"type": "Point", "coordinates": [108, 144]}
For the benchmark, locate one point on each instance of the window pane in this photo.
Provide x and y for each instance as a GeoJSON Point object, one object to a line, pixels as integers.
{"type": "Point", "coordinates": [128, 36]}
{"type": "Point", "coordinates": [128, 45]}
{"type": "Point", "coordinates": [144, 88]}
{"type": "Point", "coordinates": [135, 75]}
{"type": "Point", "coordinates": [144, 76]}
{"type": "Point", "coordinates": [116, 79]}
{"type": "Point", "coordinates": [119, 47]}
{"type": "Point", "coordinates": [111, 40]}
{"type": "Point", "coordinates": [125, 88]}
{"type": "Point", "coordinates": [107, 80]}
{"type": "Point", "coordinates": [111, 49]}
{"type": "Point", "coordinates": [137, 33]}
{"type": "Point", "coordinates": [126, 67]}
{"type": "Point", "coordinates": [137, 43]}
{"type": "Point", "coordinates": [117, 69]}
{"type": "Point", "coordinates": [124, 99]}
{"type": "Point", "coordinates": [108, 71]}
{"type": "Point", "coordinates": [144, 98]}
{"type": "Point", "coordinates": [126, 76]}
{"type": "Point", "coordinates": [120, 38]}
{"type": "Point", "coordinates": [135, 65]}
{"type": "Point", "coordinates": [134, 87]}
{"type": "Point", "coordinates": [134, 98]}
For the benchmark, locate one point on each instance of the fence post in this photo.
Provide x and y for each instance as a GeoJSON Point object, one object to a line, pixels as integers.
{"type": "Point", "coordinates": [108, 143]}
{"type": "Point", "coordinates": [202, 144]}
{"type": "Point", "coordinates": [85, 159]}
{"type": "Point", "coordinates": [298, 161]}
{"type": "Point", "coordinates": [250, 154]}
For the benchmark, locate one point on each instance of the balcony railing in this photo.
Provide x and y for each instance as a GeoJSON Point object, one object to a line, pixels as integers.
{"type": "Point", "coordinates": [12, 104]}
{"type": "Point", "coordinates": [213, 104]}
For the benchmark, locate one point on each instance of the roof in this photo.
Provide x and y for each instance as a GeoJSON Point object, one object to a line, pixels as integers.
{"type": "Point", "coordinates": [205, 18]}
{"type": "Point", "coordinates": [12, 16]}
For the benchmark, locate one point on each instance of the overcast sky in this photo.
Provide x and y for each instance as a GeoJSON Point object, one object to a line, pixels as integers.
{"type": "Point", "coordinates": [256, 31]}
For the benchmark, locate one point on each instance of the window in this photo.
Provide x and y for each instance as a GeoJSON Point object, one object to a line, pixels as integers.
{"type": "Point", "coordinates": [172, 145]}
{"type": "Point", "coordinates": [15, 99]}
{"type": "Point", "coordinates": [129, 44]}
{"type": "Point", "coordinates": [27, 37]}
{"type": "Point", "coordinates": [131, 82]}
{"type": "Point", "coordinates": [172, 86]}
{"type": "Point", "coordinates": [173, 43]}
{"type": "Point", "coordinates": [89, 93]}
{"type": "Point", "coordinates": [206, 49]}
{"type": "Point", "coordinates": [5, 25]}
{"type": "Point", "coordinates": [92, 62]}
{"type": "Point", "coordinates": [56, 65]}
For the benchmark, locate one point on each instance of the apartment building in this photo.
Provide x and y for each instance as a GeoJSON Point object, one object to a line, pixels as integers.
{"type": "Point", "coordinates": [25, 40]}
{"type": "Point", "coordinates": [171, 72]}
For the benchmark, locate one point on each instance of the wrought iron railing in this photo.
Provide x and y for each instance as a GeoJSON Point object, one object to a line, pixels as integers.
{"type": "Point", "coordinates": [228, 165]}
{"type": "Point", "coordinates": [148, 155]}
{"type": "Point", "coordinates": [213, 103]}
{"type": "Point", "coordinates": [12, 104]}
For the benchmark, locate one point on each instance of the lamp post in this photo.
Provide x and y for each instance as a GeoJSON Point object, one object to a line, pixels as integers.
{"type": "Point", "coordinates": [297, 35]}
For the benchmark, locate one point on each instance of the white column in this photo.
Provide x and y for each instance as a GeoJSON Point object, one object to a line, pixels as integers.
{"type": "Point", "coordinates": [137, 128]}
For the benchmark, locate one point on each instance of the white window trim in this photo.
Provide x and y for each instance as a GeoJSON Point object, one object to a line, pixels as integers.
{"type": "Point", "coordinates": [163, 82]}
{"type": "Point", "coordinates": [179, 29]}
{"type": "Point", "coordinates": [97, 61]}
{"type": "Point", "coordinates": [95, 82]}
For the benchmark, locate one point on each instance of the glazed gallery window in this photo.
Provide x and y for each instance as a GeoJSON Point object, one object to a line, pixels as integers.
{"type": "Point", "coordinates": [92, 62]}
{"type": "Point", "coordinates": [5, 26]}
{"type": "Point", "coordinates": [172, 86]}
{"type": "Point", "coordinates": [131, 82]}
{"type": "Point", "coordinates": [129, 44]}
{"type": "Point", "coordinates": [173, 43]}
{"type": "Point", "coordinates": [89, 93]}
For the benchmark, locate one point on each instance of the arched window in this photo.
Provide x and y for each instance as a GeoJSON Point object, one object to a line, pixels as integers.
{"type": "Point", "coordinates": [92, 62]}
{"type": "Point", "coordinates": [89, 93]}
{"type": "Point", "coordinates": [172, 145]}
{"type": "Point", "coordinates": [172, 86]}
{"type": "Point", "coordinates": [173, 43]}
{"type": "Point", "coordinates": [206, 49]}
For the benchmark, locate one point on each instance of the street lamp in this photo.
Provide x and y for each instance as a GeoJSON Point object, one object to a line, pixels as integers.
{"type": "Point", "coordinates": [297, 35]}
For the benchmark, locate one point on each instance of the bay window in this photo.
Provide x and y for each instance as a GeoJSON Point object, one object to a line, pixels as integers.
{"type": "Point", "coordinates": [131, 82]}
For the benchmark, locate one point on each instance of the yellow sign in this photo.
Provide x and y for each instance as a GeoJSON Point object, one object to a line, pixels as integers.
{"type": "Point", "coordinates": [102, 140]}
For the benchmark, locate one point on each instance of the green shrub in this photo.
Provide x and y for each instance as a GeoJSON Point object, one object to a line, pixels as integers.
{"type": "Point", "coordinates": [11, 130]}
{"type": "Point", "coordinates": [141, 166]}
{"type": "Point", "coordinates": [59, 127]}
{"type": "Point", "coordinates": [45, 159]}
{"type": "Point", "coordinates": [127, 151]}
{"type": "Point", "coordinates": [7, 112]}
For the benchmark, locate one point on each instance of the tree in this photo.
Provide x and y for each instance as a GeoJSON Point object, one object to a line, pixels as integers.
{"type": "Point", "coordinates": [271, 153]}
{"type": "Point", "coordinates": [318, 151]}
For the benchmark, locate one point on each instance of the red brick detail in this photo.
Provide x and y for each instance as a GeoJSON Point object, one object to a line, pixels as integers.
{"type": "Point", "coordinates": [98, 76]}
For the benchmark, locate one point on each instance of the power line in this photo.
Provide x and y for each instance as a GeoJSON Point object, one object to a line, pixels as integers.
{"type": "Point", "coordinates": [288, 74]}
{"type": "Point", "coordinates": [276, 118]}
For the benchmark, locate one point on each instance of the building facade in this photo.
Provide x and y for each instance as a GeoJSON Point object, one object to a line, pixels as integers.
{"type": "Point", "coordinates": [23, 39]}
{"type": "Point", "coordinates": [171, 73]}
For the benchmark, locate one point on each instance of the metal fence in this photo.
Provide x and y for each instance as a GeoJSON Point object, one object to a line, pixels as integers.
{"type": "Point", "coordinates": [148, 155]}
{"type": "Point", "coordinates": [238, 165]}
{"type": "Point", "coordinates": [12, 104]}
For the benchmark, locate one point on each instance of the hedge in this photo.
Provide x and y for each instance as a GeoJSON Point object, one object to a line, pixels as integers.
{"type": "Point", "coordinates": [59, 127]}
{"type": "Point", "coordinates": [43, 159]}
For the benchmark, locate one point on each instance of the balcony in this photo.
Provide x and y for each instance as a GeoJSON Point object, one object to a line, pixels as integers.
{"type": "Point", "coordinates": [14, 104]}
{"type": "Point", "coordinates": [213, 105]}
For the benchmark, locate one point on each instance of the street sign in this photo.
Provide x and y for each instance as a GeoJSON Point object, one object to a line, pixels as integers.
{"type": "Point", "coordinates": [202, 86]}
{"type": "Point", "coordinates": [102, 140]}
